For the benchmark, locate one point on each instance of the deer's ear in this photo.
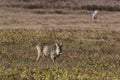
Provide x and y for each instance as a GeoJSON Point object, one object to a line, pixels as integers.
{"type": "Point", "coordinates": [60, 44]}
{"type": "Point", "coordinates": [56, 44]}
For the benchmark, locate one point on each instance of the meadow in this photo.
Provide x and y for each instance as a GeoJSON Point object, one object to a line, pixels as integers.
{"type": "Point", "coordinates": [91, 50]}
{"type": "Point", "coordinates": [86, 55]}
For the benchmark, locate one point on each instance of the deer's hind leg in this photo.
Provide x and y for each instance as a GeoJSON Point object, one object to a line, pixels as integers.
{"type": "Point", "coordinates": [39, 53]}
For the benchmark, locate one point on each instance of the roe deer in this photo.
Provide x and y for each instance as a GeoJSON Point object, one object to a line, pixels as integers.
{"type": "Point", "coordinates": [51, 50]}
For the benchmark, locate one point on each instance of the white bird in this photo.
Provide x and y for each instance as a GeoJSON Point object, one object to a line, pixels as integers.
{"type": "Point", "coordinates": [94, 15]}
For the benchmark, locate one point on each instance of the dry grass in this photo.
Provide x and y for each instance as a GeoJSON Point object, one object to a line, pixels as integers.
{"type": "Point", "coordinates": [72, 19]}
{"type": "Point", "coordinates": [90, 50]}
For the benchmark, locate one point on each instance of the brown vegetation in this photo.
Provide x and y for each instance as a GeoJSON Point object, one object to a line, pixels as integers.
{"type": "Point", "coordinates": [91, 50]}
{"type": "Point", "coordinates": [110, 5]}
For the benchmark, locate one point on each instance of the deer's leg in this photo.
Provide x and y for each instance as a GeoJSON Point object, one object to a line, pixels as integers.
{"type": "Point", "coordinates": [53, 58]}
{"type": "Point", "coordinates": [38, 53]}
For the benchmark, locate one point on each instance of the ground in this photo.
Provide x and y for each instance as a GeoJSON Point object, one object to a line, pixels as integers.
{"type": "Point", "coordinates": [91, 50]}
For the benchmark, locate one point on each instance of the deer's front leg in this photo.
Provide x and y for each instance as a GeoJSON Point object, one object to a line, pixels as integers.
{"type": "Point", "coordinates": [53, 57]}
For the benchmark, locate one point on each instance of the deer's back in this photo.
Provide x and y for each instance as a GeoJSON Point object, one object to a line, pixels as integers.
{"type": "Point", "coordinates": [47, 49]}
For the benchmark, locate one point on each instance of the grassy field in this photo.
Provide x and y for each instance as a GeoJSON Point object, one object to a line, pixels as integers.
{"type": "Point", "coordinates": [86, 55]}
{"type": "Point", "coordinates": [91, 50]}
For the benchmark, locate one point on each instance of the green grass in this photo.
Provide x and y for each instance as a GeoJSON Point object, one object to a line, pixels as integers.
{"type": "Point", "coordinates": [87, 55]}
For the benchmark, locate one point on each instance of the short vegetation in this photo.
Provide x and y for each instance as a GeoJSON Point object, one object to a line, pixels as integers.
{"type": "Point", "coordinates": [87, 55]}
